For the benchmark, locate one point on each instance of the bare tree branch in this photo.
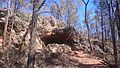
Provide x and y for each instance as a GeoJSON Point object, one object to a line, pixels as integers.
{"type": "Point", "coordinates": [85, 2]}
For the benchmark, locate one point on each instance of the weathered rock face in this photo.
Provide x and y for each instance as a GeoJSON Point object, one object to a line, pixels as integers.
{"type": "Point", "coordinates": [58, 55]}
{"type": "Point", "coordinates": [48, 23]}
{"type": "Point", "coordinates": [48, 27]}
{"type": "Point", "coordinates": [2, 20]}
{"type": "Point", "coordinates": [58, 48]}
{"type": "Point", "coordinates": [58, 40]}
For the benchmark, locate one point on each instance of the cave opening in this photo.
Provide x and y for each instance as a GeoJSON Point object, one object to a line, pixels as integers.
{"type": "Point", "coordinates": [59, 38]}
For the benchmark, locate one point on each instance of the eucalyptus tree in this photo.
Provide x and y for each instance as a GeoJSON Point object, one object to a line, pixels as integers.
{"type": "Point", "coordinates": [107, 14]}
{"type": "Point", "coordinates": [102, 23]}
{"type": "Point", "coordinates": [112, 26]}
{"type": "Point", "coordinates": [86, 22]}
{"type": "Point", "coordinates": [5, 45]}
{"type": "Point", "coordinates": [69, 12]}
{"type": "Point", "coordinates": [55, 10]}
{"type": "Point", "coordinates": [118, 17]}
{"type": "Point", "coordinates": [37, 4]}
{"type": "Point", "coordinates": [97, 19]}
{"type": "Point", "coordinates": [6, 23]}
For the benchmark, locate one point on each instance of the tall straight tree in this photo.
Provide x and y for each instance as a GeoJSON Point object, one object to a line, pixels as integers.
{"type": "Point", "coordinates": [6, 23]}
{"type": "Point", "coordinates": [5, 41]}
{"type": "Point", "coordinates": [118, 17]}
{"type": "Point", "coordinates": [68, 11]}
{"type": "Point", "coordinates": [96, 24]}
{"type": "Point", "coordinates": [112, 26]}
{"type": "Point", "coordinates": [12, 23]}
{"type": "Point", "coordinates": [102, 25]}
{"type": "Point", "coordinates": [55, 10]}
{"type": "Point", "coordinates": [86, 22]}
{"type": "Point", "coordinates": [31, 55]}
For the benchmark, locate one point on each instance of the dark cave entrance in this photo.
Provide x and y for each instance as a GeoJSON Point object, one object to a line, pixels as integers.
{"type": "Point", "coordinates": [59, 38]}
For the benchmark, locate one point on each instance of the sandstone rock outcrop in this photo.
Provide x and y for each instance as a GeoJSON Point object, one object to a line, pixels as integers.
{"type": "Point", "coordinates": [57, 40]}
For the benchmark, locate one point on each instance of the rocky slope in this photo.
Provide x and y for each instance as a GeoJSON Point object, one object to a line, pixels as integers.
{"type": "Point", "coordinates": [54, 45]}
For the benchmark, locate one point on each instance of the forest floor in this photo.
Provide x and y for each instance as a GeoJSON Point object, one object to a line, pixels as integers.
{"type": "Point", "coordinates": [84, 60]}
{"type": "Point", "coordinates": [79, 58]}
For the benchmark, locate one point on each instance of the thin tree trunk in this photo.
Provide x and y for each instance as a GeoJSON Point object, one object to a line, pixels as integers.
{"type": "Point", "coordinates": [68, 19]}
{"type": "Point", "coordinates": [33, 34]}
{"type": "Point", "coordinates": [118, 17]}
{"type": "Point", "coordinates": [105, 37]}
{"type": "Point", "coordinates": [12, 23]}
{"type": "Point", "coordinates": [102, 31]}
{"type": "Point", "coordinates": [86, 22]}
{"type": "Point", "coordinates": [112, 26]}
{"type": "Point", "coordinates": [5, 46]}
{"type": "Point", "coordinates": [97, 34]}
{"type": "Point", "coordinates": [31, 55]}
{"type": "Point", "coordinates": [6, 24]}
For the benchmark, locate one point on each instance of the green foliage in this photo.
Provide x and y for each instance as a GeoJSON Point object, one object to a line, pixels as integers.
{"type": "Point", "coordinates": [21, 2]}
{"type": "Point", "coordinates": [69, 11]}
{"type": "Point", "coordinates": [25, 16]}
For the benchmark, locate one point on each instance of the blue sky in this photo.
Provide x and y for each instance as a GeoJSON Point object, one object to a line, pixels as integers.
{"type": "Point", "coordinates": [91, 7]}
{"type": "Point", "coordinates": [81, 13]}
{"type": "Point", "coordinates": [81, 9]}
